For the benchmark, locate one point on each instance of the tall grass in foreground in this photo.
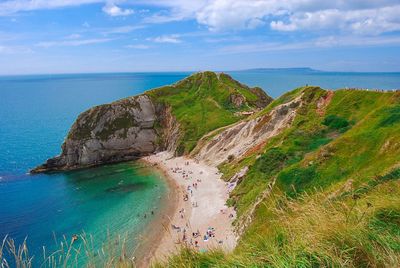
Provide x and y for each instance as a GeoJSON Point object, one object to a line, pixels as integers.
{"type": "Point", "coordinates": [315, 230]}
{"type": "Point", "coordinates": [69, 253]}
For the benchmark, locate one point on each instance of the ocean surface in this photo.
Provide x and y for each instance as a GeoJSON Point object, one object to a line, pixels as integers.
{"type": "Point", "coordinates": [35, 114]}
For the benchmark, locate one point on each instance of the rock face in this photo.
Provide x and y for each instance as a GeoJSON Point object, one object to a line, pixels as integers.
{"type": "Point", "coordinates": [237, 100]}
{"type": "Point", "coordinates": [123, 130]}
{"type": "Point", "coordinates": [235, 141]}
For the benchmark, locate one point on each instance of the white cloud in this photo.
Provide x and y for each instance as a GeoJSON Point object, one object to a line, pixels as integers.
{"type": "Point", "coordinates": [13, 6]}
{"type": "Point", "coordinates": [14, 50]}
{"type": "Point", "coordinates": [72, 43]}
{"type": "Point", "coordinates": [335, 41]}
{"type": "Point", "coordinates": [73, 36]}
{"type": "Point", "coordinates": [364, 17]}
{"type": "Point", "coordinates": [323, 42]}
{"type": "Point", "coordinates": [114, 10]}
{"type": "Point", "coordinates": [123, 29]}
{"type": "Point", "coordinates": [366, 21]}
{"type": "Point", "coordinates": [241, 14]}
{"type": "Point", "coordinates": [357, 16]}
{"type": "Point", "coordinates": [177, 10]}
{"type": "Point", "coordinates": [173, 38]}
{"type": "Point", "coordinates": [9, 7]}
{"type": "Point", "coordinates": [137, 46]}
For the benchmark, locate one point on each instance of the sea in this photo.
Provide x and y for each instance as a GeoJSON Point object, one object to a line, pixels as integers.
{"type": "Point", "coordinates": [36, 112]}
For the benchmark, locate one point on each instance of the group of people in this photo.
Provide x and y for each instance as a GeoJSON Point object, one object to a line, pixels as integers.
{"type": "Point", "coordinates": [184, 174]}
{"type": "Point", "coordinates": [209, 234]}
{"type": "Point", "coordinates": [188, 192]}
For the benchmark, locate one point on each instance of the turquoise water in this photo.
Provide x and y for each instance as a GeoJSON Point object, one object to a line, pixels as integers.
{"type": "Point", "coordinates": [35, 115]}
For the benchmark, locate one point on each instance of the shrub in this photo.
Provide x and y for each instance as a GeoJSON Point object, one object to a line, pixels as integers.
{"type": "Point", "coordinates": [272, 161]}
{"type": "Point", "coordinates": [392, 116]}
{"type": "Point", "coordinates": [296, 179]}
{"type": "Point", "coordinates": [335, 122]}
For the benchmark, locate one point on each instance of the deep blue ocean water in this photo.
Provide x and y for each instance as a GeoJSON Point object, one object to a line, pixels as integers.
{"type": "Point", "coordinates": [35, 115]}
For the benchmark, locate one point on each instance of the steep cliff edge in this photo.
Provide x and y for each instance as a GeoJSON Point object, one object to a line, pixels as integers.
{"type": "Point", "coordinates": [169, 118]}
{"type": "Point", "coordinates": [237, 140]}
{"type": "Point", "coordinates": [119, 131]}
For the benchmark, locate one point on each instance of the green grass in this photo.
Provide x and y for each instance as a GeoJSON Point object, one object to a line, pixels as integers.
{"type": "Point", "coordinates": [335, 122]}
{"type": "Point", "coordinates": [313, 231]}
{"type": "Point", "coordinates": [336, 199]}
{"type": "Point", "coordinates": [201, 103]}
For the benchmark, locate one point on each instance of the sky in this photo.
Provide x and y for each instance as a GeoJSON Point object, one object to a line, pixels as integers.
{"type": "Point", "coordinates": [75, 36]}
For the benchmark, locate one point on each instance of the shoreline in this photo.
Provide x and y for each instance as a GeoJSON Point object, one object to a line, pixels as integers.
{"type": "Point", "coordinates": [158, 227]}
{"type": "Point", "coordinates": [195, 214]}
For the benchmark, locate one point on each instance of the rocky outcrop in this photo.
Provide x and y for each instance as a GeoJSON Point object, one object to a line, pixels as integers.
{"type": "Point", "coordinates": [120, 131]}
{"type": "Point", "coordinates": [262, 99]}
{"type": "Point", "coordinates": [159, 119]}
{"type": "Point", "coordinates": [171, 129]}
{"type": "Point", "coordinates": [237, 100]}
{"type": "Point", "coordinates": [235, 141]}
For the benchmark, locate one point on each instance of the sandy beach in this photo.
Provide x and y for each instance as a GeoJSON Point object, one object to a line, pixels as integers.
{"type": "Point", "coordinates": [198, 216]}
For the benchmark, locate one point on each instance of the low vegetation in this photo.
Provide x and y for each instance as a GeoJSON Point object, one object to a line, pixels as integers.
{"type": "Point", "coordinates": [202, 103]}
{"type": "Point", "coordinates": [78, 252]}
{"type": "Point", "coordinates": [335, 200]}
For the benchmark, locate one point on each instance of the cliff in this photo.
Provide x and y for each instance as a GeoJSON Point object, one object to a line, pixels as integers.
{"type": "Point", "coordinates": [169, 118]}
{"type": "Point", "coordinates": [315, 181]}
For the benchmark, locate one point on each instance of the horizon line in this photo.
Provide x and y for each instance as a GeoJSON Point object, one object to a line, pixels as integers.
{"type": "Point", "coordinates": [260, 69]}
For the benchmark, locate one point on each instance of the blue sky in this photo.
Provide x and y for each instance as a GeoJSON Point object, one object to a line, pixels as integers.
{"type": "Point", "coordinates": [73, 36]}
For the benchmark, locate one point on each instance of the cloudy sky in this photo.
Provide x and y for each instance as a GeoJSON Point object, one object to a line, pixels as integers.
{"type": "Point", "coordinates": [64, 36]}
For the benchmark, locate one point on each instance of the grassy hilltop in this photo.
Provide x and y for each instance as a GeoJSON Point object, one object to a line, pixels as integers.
{"type": "Point", "coordinates": [324, 192]}
{"type": "Point", "coordinates": [206, 101]}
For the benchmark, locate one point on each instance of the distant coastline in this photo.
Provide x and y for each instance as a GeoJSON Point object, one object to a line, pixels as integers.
{"type": "Point", "coordinates": [187, 72]}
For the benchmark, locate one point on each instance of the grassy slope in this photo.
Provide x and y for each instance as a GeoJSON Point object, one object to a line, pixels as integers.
{"type": "Point", "coordinates": [336, 199]}
{"type": "Point", "coordinates": [201, 104]}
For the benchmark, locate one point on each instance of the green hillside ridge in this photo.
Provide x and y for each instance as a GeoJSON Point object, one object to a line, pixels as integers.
{"type": "Point", "coordinates": [203, 102]}
{"type": "Point", "coordinates": [335, 188]}
{"type": "Point", "coordinates": [172, 118]}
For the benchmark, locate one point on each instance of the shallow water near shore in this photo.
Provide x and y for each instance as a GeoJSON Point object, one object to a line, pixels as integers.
{"type": "Point", "coordinates": [35, 115]}
{"type": "Point", "coordinates": [102, 202]}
